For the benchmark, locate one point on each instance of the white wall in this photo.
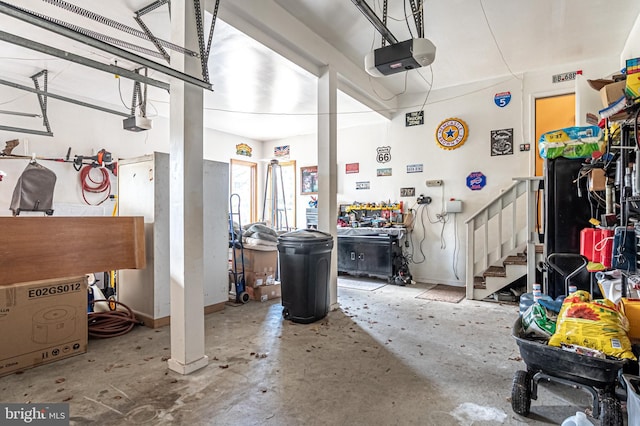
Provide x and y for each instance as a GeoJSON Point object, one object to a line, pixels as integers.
{"type": "Point", "coordinates": [87, 131]}
{"type": "Point", "coordinates": [473, 104]}
{"type": "Point", "coordinates": [632, 46]}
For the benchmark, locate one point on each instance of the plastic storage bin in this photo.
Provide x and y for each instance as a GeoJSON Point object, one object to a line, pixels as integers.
{"type": "Point", "coordinates": [305, 266]}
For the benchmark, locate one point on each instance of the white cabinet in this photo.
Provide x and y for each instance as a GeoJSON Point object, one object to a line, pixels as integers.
{"type": "Point", "coordinates": [143, 190]}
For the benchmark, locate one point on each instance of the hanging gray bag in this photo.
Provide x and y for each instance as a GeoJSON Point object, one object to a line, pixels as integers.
{"type": "Point", "coordinates": [34, 190]}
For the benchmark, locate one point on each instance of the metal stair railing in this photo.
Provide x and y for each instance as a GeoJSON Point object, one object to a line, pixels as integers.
{"type": "Point", "coordinates": [497, 229]}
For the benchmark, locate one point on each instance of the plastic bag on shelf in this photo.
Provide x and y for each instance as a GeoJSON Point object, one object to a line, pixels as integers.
{"type": "Point", "coordinates": [571, 142]}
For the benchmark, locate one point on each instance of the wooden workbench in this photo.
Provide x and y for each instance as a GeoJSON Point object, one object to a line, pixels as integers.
{"type": "Point", "coordinates": [37, 248]}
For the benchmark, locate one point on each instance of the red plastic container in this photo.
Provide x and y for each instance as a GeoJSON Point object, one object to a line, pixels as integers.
{"type": "Point", "coordinates": [586, 243]}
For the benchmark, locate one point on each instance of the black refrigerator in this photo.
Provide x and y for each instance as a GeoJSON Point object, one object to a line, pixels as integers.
{"type": "Point", "coordinates": [567, 211]}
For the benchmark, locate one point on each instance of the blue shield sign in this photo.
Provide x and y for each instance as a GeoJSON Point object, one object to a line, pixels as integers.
{"type": "Point", "coordinates": [502, 99]}
{"type": "Point", "coordinates": [476, 181]}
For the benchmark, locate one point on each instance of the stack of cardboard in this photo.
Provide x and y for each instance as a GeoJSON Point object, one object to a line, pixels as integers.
{"type": "Point", "coordinates": [617, 91]}
{"type": "Point", "coordinates": [612, 92]}
{"type": "Point", "coordinates": [260, 273]}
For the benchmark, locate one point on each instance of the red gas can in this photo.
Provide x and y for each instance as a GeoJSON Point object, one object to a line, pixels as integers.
{"type": "Point", "coordinates": [586, 243]}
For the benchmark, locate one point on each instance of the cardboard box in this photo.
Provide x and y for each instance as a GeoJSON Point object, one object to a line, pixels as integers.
{"type": "Point", "coordinates": [612, 92]}
{"type": "Point", "coordinates": [42, 322]}
{"type": "Point", "coordinates": [265, 292]}
{"type": "Point", "coordinates": [257, 279]}
{"type": "Point", "coordinates": [257, 260]}
{"type": "Point", "coordinates": [597, 180]}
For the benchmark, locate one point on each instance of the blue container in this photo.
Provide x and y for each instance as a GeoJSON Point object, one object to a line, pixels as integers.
{"type": "Point", "coordinates": [526, 300]}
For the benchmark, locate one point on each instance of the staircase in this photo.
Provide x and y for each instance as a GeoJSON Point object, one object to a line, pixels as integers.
{"type": "Point", "coordinates": [500, 240]}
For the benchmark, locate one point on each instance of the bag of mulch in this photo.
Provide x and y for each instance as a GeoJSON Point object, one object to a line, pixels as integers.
{"type": "Point", "coordinates": [538, 321]}
{"type": "Point", "coordinates": [595, 324]}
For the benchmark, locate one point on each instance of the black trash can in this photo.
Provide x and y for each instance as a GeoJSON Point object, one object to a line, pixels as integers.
{"type": "Point", "coordinates": [305, 266]}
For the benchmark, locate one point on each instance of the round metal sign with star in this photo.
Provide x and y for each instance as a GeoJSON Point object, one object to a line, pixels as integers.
{"type": "Point", "coordinates": [451, 133]}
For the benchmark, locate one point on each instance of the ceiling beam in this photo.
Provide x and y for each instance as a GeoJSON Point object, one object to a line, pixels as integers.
{"type": "Point", "coordinates": [111, 69]}
{"type": "Point", "coordinates": [375, 21]}
{"type": "Point", "coordinates": [21, 114]}
{"type": "Point", "coordinates": [30, 18]}
{"type": "Point", "coordinates": [62, 98]}
{"type": "Point", "coordinates": [21, 130]}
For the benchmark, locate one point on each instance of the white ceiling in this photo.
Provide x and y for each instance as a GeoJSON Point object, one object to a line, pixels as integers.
{"type": "Point", "coordinates": [260, 95]}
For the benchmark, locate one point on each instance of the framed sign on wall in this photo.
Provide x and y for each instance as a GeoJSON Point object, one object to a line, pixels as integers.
{"type": "Point", "coordinates": [309, 179]}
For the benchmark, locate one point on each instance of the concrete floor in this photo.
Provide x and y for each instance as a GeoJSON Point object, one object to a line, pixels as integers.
{"type": "Point", "coordinates": [384, 358]}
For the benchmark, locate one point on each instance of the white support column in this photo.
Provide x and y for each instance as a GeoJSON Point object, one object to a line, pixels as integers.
{"type": "Point", "coordinates": [186, 195]}
{"type": "Point", "coordinates": [327, 168]}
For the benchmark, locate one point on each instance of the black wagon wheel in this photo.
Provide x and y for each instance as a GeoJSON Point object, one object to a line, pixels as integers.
{"type": "Point", "coordinates": [521, 393]}
{"type": "Point", "coordinates": [610, 411]}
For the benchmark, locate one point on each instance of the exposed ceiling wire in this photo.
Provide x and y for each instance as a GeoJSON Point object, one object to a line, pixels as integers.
{"type": "Point", "coordinates": [404, 90]}
{"type": "Point", "coordinates": [504, 61]}
{"type": "Point", "coordinates": [471, 92]}
{"type": "Point", "coordinates": [154, 108]}
{"type": "Point", "coordinates": [120, 93]}
{"type": "Point", "coordinates": [430, 83]}
{"type": "Point", "coordinates": [377, 110]}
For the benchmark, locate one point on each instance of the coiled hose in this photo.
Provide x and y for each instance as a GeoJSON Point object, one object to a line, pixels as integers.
{"type": "Point", "coordinates": [111, 323]}
{"type": "Point", "coordinates": [95, 186]}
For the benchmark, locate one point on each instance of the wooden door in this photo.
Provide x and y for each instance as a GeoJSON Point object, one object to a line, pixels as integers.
{"type": "Point", "coordinates": [552, 113]}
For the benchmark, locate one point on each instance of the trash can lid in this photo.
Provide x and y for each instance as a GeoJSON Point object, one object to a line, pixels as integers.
{"type": "Point", "coordinates": [310, 235]}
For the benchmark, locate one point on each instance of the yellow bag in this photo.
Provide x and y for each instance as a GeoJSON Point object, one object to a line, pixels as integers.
{"type": "Point", "coordinates": [593, 324]}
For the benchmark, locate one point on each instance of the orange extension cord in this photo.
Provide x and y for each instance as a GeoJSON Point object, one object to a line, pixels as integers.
{"type": "Point", "coordinates": [112, 323]}
{"type": "Point", "coordinates": [90, 185]}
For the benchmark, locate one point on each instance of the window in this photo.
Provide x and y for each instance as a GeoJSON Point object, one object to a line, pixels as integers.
{"type": "Point", "coordinates": [243, 182]}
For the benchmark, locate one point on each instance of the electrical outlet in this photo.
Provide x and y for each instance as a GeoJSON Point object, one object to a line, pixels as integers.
{"type": "Point", "coordinates": [423, 200]}
{"type": "Point", "coordinates": [435, 182]}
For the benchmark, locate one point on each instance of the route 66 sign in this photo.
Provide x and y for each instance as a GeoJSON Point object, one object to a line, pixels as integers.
{"type": "Point", "coordinates": [383, 154]}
